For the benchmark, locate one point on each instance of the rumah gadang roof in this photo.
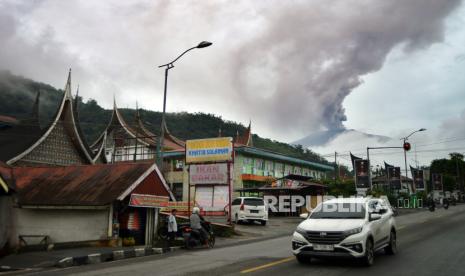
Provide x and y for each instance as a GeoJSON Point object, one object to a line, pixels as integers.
{"type": "Point", "coordinates": [122, 131]}
{"type": "Point", "coordinates": [18, 141]}
{"type": "Point", "coordinates": [86, 185]}
{"type": "Point", "coordinates": [246, 138]}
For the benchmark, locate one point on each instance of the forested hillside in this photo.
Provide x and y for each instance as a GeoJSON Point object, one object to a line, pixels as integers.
{"type": "Point", "coordinates": [17, 95]}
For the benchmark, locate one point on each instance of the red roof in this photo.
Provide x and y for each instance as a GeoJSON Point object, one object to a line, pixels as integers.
{"type": "Point", "coordinates": [246, 138]}
{"type": "Point", "coordinates": [86, 185]}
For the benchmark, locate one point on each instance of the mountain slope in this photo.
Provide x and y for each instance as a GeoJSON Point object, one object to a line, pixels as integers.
{"type": "Point", "coordinates": [17, 95]}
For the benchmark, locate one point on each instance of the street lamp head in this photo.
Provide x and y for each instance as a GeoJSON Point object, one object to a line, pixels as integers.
{"type": "Point", "coordinates": [422, 129]}
{"type": "Point", "coordinates": [204, 44]}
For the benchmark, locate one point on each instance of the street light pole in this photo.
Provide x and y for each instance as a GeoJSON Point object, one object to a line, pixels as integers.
{"type": "Point", "coordinates": [169, 66]}
{"type": "Point", "coordinates": [405, 139]}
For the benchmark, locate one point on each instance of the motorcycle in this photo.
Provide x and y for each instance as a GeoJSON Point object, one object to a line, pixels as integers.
{"type": "Point", "coordinates": [445, 203]}
{"type": "Point", "coordinates": [192, 237]}
{"type": "Point", "coordinates": [432, 206]}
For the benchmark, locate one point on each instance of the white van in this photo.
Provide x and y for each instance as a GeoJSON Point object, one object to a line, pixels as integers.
{"type": "Point", "coordinates": [249, 209]}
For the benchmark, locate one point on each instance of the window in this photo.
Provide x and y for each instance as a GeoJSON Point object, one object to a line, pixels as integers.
{"type": "Point", "coordinates": [248, 161]}
{"type": "Point", "coordinates": [258, 164]}
{"type": "Point", "coordinates": [269, 165]}
{"type": "Point", "coordinates": [178, 165]}
{"type": "Point", "coordinates": [287, 170]}
{"type": "Point", "coordinates": [339, 211]}
{"type": "Point", "coordinates": [254, 202]}
{"type": "Point", "coordinates": [237, 201]}
{"type": "Point", "coordinates": [177, 191]}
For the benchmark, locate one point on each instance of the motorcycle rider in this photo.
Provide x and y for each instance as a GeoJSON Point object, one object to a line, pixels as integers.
{"type": "Point", "coordinates": [431, 203]}
{"type": "Point", "coordinates": [196, 221]}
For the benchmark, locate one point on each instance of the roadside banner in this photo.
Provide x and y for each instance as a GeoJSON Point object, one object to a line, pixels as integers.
{"type": "Point", "coordinates": [436, 180]}
{"type": "Point", "coordinates": [362, 177]}
{"type": "Point", "coordinates": [180, 206]}
{"type": "Point", "coordinates": [418, 178]}
{"type": "Point", "coordinates": [393, 174]}
{"type": "Point", "coordinates": [209, 150]}
{"type": "Point", "coordinates": [208, 174]}
{"type": "Point", "coordinates": [147, 201]}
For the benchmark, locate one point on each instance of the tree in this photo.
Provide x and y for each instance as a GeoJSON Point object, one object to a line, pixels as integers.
{"type": "Point", "coordinates": [452, 170]}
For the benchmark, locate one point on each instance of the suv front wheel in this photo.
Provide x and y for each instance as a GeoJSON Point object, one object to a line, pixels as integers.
{"type": "Point", "coordinates": [369, 257]}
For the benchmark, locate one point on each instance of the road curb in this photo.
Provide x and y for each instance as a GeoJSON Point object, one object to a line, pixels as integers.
{"type": "Point", "coordinates": [112, 256]}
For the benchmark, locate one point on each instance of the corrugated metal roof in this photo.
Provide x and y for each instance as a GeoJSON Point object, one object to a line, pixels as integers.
{"type": "Point", "coordinates": [86, 185]}
{"type": "Point", "coordinates": [283, 158]}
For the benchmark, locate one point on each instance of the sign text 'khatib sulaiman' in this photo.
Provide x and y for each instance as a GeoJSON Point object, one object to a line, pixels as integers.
{"type": "Point", "coordinates": [209, 150]}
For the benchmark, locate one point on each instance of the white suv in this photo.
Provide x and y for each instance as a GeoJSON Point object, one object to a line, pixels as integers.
{"type": "Point", "coordinates": [249, 209]}
{"type": "Point", "coordinates": [349, 227]}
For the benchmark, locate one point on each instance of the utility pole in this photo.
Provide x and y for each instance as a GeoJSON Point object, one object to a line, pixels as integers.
{"type": "Point", "coordinates": [335, 167]}
{"type": "Point", "coordinates": [457, 172]}
{"type": "Point", "coordinates": [369, 168]}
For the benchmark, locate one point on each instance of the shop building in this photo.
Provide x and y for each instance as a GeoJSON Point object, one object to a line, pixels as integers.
{"type": "Point", "coordinates": [84, 203]}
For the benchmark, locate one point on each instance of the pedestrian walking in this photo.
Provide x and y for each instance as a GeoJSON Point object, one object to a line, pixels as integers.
{"type": "Point", "coordinates": [172, 226]}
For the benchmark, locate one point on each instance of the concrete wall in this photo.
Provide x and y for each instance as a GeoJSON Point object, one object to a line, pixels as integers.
{"type": "Point", "coordinates": [63, 225]}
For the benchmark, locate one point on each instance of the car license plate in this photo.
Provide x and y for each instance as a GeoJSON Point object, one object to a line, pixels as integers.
{"type": "Point", "coordinates": [323, 247]}
{"type": "Point", "coordinates": [254, 211]}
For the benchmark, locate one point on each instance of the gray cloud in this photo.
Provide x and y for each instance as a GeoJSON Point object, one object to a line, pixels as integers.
{"type": "Point", "coordinates": [286, 65]}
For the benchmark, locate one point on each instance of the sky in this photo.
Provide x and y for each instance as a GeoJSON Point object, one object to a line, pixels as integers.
{"type": "Point", "coordinates": [291, 67]}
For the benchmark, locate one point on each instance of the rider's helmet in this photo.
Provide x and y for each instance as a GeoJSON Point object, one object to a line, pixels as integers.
{"type": "Point", "coordinates": [195, 210]}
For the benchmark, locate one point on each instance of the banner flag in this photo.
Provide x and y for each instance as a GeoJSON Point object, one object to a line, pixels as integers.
{"type": "Point", "coordinates": [436, 180]}
{"type": "Point", "coordinates": [418, 178]}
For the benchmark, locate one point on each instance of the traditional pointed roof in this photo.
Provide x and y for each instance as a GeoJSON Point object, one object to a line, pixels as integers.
{"type": "Point", "coordinates": [117, 123]}
{"type": "Point", "coordinates": [171, 142]}
{"type": "Point", "coordinates": [140, 127]}
{"type": "Point", "coordinates": [67, 117]}
{"type": "Point", "coordinates": [246, 137]}
{"type": "Point", "coordinates": [98, 148]}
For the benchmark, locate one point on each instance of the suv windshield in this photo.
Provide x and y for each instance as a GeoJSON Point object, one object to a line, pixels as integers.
{"type": "Point", "coordinates": [253, 201]}
{"type": "Point", "coordinates": [339, 211]}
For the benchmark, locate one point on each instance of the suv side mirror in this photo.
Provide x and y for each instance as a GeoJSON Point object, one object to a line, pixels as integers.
{"type": "Point", "coordinates": [374, 217]}
{"type": "Point", "coordinates": [303, 215]}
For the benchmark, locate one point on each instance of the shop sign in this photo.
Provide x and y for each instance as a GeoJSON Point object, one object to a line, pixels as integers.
{"type": "Point", "coordinates": [208, 174]}
{"type": "Point", "coordinates": [180, 206]}
{"type": "Point", "coordinates": [148, 201]}
{"type": "Point", "coordinates": [209, 150]}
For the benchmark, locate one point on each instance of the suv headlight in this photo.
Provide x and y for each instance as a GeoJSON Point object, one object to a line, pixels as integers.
{"type": "Point", "coordinates": [354, 231]}
{"type": "Point", "coordinates": [301, 231]}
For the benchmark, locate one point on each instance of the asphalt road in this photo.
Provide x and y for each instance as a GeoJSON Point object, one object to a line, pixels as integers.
{"type": "Point", "coordinates": [429, 244]}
